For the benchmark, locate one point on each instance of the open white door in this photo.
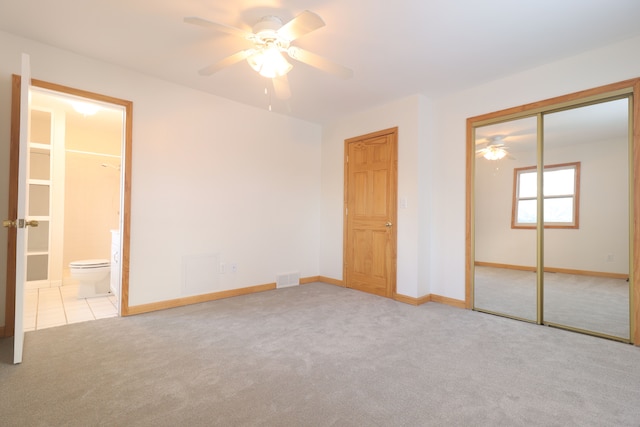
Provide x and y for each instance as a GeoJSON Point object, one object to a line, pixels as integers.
{"type": "Point", "coordinates": [21, 222]}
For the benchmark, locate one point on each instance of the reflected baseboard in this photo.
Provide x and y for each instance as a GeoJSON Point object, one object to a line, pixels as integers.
{"type": "Point", "coordinates": [606, 274]}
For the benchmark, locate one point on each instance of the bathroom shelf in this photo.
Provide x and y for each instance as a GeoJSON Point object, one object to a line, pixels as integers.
{"type": "Point", "coordinates": [38, 249]}
{"type": "Point", "coordinates": [39, 147]}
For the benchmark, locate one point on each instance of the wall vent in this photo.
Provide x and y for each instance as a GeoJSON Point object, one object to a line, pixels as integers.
{"type": "Point", "coordinates": [286, 280]}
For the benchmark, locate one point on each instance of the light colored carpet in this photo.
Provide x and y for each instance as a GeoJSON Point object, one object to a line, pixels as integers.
{"type": "Point", "coordinates": [318, 355]}
{"type": "Point", "coordinates": [595, 304]}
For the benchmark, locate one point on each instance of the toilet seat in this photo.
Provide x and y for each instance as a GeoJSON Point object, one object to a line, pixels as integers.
{"type": "Point", "coordinates": [90, 263]}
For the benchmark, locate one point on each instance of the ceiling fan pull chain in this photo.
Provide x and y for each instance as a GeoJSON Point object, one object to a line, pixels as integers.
{"type": "Point", "coordinates": [268, 94]}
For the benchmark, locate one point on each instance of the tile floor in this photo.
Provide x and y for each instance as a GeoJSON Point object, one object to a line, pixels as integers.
{"type": "Point", "coordinates": [56, 306]}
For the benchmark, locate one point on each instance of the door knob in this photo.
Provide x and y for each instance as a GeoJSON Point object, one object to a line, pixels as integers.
{"type": "Point", "coordinates": [21, 223]}
{"type": "Point", "coordinates": [8, 223]}
{"type": "Point", "coordinates": [388, 224]}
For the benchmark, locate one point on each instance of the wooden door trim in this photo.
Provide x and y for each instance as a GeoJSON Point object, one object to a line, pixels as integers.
{"type": "Point", "coordinates": [391, 287]}
{"type": "Point", "coordinates": [13, 190]}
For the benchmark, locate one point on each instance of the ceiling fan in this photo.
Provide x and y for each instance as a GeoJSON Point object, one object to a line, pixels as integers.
{"type": "Point", "coordinates": [271, 39]}
{"type": "Point", "coordinates": [494, 148]}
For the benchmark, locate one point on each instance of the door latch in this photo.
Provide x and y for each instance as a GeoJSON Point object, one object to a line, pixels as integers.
{"type": "Point", "coordinates": [9, 223]}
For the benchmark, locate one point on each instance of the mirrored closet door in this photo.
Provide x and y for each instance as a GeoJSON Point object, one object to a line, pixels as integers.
{"type": "Point", "coordinates": [550, 215]}
{"type": "Point", "coordinates": [505, 258]}
{"type": "Point", "coordinates": [586, 216]}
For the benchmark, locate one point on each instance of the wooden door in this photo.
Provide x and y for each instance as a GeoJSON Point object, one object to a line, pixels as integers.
{"type": "Point", "coordinates": [371, 169]}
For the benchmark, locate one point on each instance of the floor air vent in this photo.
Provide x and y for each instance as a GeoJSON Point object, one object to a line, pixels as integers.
{"type": "Point", "coordinates": [287, 279]}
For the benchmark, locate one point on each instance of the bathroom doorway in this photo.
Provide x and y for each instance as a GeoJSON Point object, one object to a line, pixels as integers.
{"type": "Point", "coordinates": [79, 182]}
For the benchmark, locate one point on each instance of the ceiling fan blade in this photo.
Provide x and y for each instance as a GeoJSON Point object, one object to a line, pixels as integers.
{"type": "Point", "coordinates": [281, 87]}
{"type": "Point", "coordinates": [229, 60]}
{"type": "Point", "coordinates": [319, 62]}
{"type": "Point", "coordinates": [218, 27]}
{"type": "Point", "coordinates": [302, 24]}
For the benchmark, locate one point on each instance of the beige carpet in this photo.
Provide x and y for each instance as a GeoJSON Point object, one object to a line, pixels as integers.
{"type": "Point", "coordinates": [318, 355]}
{"type": "Point", "coordinates": [595, 304]}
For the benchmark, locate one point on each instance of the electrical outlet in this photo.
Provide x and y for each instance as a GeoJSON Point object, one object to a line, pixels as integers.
{"type": "Point", "coordinates": [610, 258]}
{"type": "Point", "coordinates": [234, 267]}
{"type": "Point", "coordinates": [223, 268]}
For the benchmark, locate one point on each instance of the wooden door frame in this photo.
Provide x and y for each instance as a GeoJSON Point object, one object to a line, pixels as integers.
{"type": "Point", "coordinates": [392, 286]}
{"type": "Point", "coordinates": [9, 327]}
{"type": "Point", "coordinates": [632, 87]}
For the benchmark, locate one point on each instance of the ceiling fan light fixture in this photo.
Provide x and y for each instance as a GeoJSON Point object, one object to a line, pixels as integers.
{"type": "Point", "coordinates": [495, 153]}
{"type": "Point", "coordinates": [269, 62]}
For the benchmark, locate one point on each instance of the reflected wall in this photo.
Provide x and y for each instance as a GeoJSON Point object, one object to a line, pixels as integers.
{"type": "Point", "coordinates": [505, 259]}
{"type": "Point", "coordinates": [586, 283]}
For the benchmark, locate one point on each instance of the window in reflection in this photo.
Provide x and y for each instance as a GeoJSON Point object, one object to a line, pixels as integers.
{"type": "Point", "coordinates": [560, 193]}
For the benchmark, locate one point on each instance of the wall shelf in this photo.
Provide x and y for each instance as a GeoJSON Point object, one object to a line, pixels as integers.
{"type": "Point", "coordinates": [39, 204]}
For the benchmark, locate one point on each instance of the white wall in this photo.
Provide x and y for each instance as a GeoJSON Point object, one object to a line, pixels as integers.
{"type": "Point", "coordinates": [591, 69]}
{"type": "Point", "coordinates": [211, 178]}
{"type": "Point", "coordinates": [409, 116]}
{"type": "Point", "coordinates": [205, 182]}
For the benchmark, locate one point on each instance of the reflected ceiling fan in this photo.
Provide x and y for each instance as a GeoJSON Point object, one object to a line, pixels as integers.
{"type": "Point", "coordinates": [494, 149]}
{"type": "Point", "coordinates": [271, 41]}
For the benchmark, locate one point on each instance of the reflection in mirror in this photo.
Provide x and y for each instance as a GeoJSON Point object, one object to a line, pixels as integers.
{"type": "Point", "coordinates": [505, 257]}
{"type": "Point", "coordinates": [587, 266]}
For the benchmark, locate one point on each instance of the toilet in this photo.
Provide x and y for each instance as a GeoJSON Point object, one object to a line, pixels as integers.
{"type": "Point", "coordinates": [93, 276]}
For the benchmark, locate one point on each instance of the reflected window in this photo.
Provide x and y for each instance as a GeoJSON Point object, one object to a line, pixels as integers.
{"type": "Point", "coordinates": [561, 188]}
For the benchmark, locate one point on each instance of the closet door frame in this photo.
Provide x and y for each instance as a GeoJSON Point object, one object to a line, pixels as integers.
{"type": "Point", "coordinates": [628, 88]}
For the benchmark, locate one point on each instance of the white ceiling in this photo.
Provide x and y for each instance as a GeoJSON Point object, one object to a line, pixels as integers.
{"type": "Point", "coordinates": [395, 48]}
